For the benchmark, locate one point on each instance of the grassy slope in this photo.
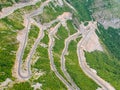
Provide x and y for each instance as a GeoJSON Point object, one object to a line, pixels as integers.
{"type": "Point", "coordinates": [62, 34]}
{"type": "Point", "coordinates": [8, 44]}
{"type": "Point", "coordinates": [82, 6]}
{"type": "Point", "coordinates": [75, 71]}
{"type": "Point", "coordinates": [6, 3]}
{"type": "Point", "coordinates": [106, 66]}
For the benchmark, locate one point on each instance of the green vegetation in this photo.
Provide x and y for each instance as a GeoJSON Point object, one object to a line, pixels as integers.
{"type": "Point", "coordinates": [9, 27]}
{"type": "Point", "coordinates": [14, 21]}
{"type": "Point", "coordinates": [8, 44]}
{"type": "Point", "coordinates": [107, 67]}
{"type": "Point", "coordinates": [6, 3]}
{"type": "Point", "coordinates": [110, 38]}
{"type": "Point", "coordinates": [75, 71]}
{"type": "Point", "coordinates": [86, 23]}
{"type": "Point", "coordinates": [82, 6]}
{"type": "Point", "coordinates": [49, 79]}
{"type": "Point", "coordinates": [45, 40]}
{"type": "Point", "coordinates": [71, 27]}
{"type": "Point", "coordinates": [33, 34]}
{"type": "Point", "coordinates": [62, 34]}
{"type": "Point", "coordinates": [22, 86]}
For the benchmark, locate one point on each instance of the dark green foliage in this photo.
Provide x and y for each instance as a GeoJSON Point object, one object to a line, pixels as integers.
{"type": "Point", "coordinates": [62, 34]}
{"type": "Point", "coordinates": [82, 7]}
{"type": "Point", "coordinates": [111, 38]}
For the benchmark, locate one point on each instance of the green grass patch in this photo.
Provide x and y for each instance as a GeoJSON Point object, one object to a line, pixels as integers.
{"type": "Point", "coordinates": [45, 40]}
{"type": "Point", "coordinates": [32, 36]}
{"type": "Point", "coordinates": [62, 34]}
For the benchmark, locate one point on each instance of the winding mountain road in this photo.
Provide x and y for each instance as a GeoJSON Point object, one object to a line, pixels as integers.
{"type": "Point", "coordinates": [9, 10]}
{"type": "Point", "coordinates": [64, 52]}
{"type": "Point", "coordinates": [22, 73]}
{"type": "Point", "coordinates": [50, 47]}
{"type": "Point", "coordinates": [83, 64]}
{"type": "Point", "coordinates": [26, 74]}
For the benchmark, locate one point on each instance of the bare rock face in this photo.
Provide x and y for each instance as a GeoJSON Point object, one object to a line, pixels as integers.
{"type": "Point", "coordinates": [91, 40]}
{"type": "Point", "coordinates": [107, 13]}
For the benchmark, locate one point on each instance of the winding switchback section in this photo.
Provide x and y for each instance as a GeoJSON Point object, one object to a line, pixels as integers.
{"type": "Point", "coordinates": [64, 52]}
{"type": "Point", "coordinates": [83, 64]}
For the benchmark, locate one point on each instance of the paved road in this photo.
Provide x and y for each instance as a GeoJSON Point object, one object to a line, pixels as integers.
{"type": "Point", "coordinates": [50, 47]}
{"type": "Point", "coordinates": [64, 52]}
{"type": "Point", "coordinates": [87, 70]}
{"type": "Point", "coordinates": [80, 52]}
{"type": "Point", "coordinates": [9, 10]}
{"type": "Point", "coordinates": [21, 52]}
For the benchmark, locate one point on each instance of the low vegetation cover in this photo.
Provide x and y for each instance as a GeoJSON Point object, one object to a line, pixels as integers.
{"type": "Point", "coordinates": [106, 66]}
{"type": "Point", "coordinates": [32, 35]}
{"type": "Point", "coordinates": [8, 44]}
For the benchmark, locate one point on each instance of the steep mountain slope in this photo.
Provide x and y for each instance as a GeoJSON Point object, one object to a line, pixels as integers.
{"type": "Point", "coordinates": [59, 45]}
